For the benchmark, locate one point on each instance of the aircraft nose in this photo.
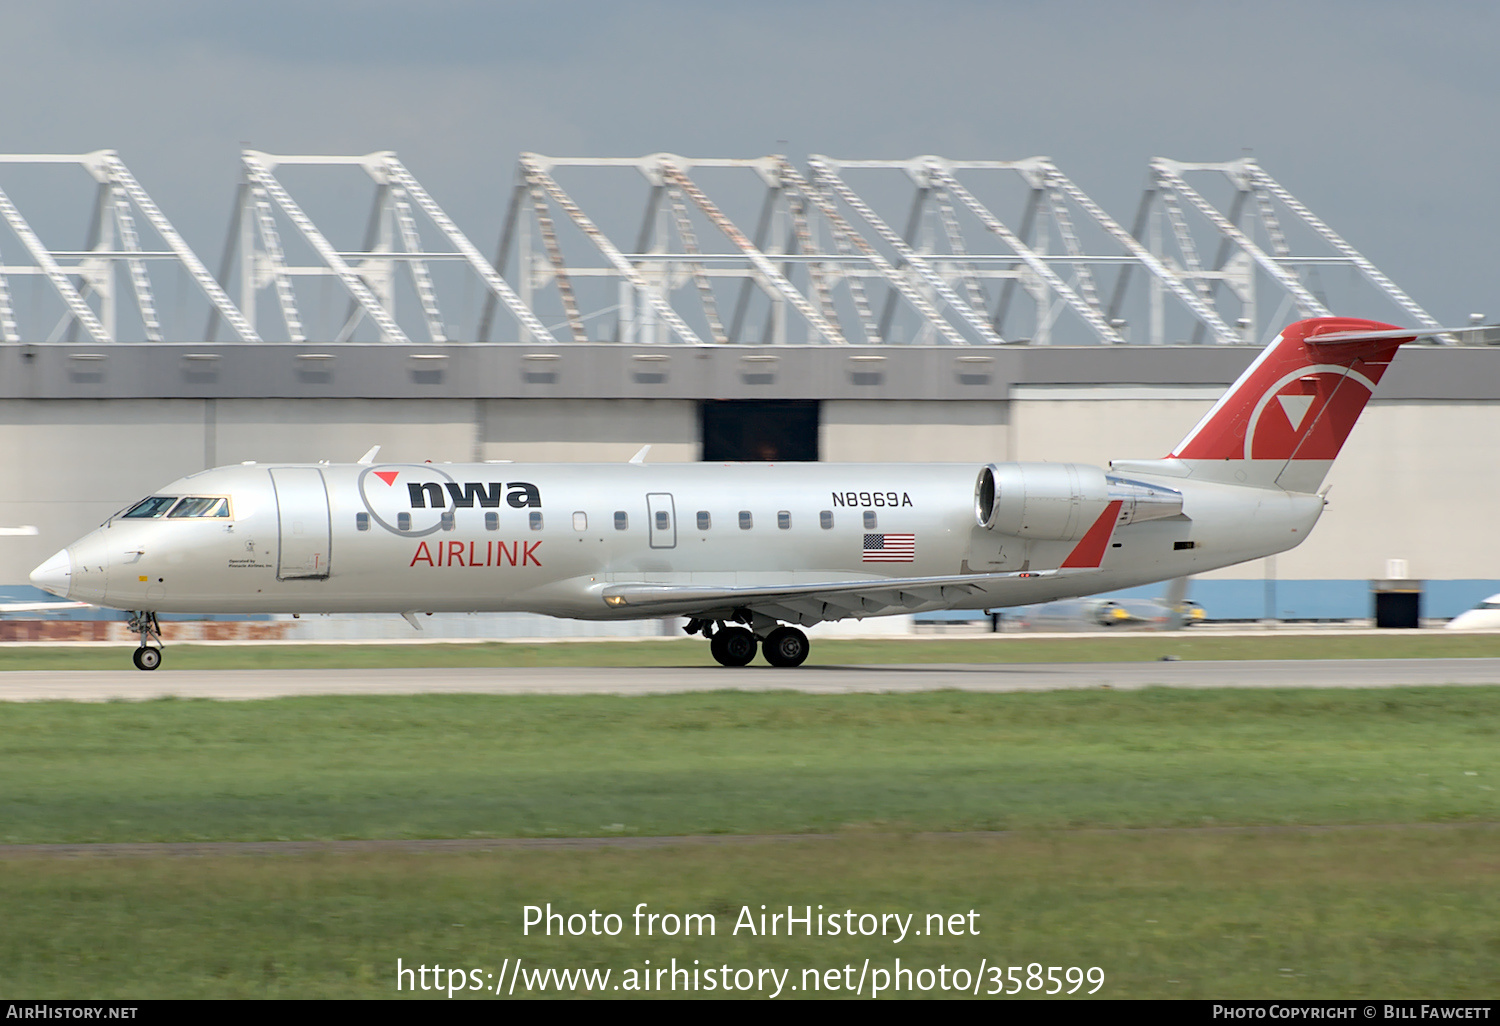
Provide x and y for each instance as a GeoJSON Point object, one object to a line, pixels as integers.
{"type": "Point", "coordinates": [55, 575]}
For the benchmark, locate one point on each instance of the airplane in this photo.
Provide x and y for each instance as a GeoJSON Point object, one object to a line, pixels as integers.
{"type": "Point", "coordinates": [1483, 617]}
{"type": "Point", "coordinates": [1173, 611]}
{"type": "Point", "coordinates": [747, 552]}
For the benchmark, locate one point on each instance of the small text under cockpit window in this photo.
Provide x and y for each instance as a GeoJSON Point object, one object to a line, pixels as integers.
{"type": "Point", "coordinates": [156, 506]}
{"type": "Point", "coordinates": [200, 506]}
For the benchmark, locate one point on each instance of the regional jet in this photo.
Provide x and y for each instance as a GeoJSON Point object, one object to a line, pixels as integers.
{"type": "Point", "coordinates": [1173, 611]}
{"type": "Point", "coordinates": [1483, 617]}
{"type": "Point", "coordinates": [747, 552]}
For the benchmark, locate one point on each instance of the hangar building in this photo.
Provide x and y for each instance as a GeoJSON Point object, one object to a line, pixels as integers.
{"type": "Point", "coordinates": [916, 310]}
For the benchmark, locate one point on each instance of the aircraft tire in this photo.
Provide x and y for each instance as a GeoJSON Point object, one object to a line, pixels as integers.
{"type": "Point", "coordinates": [733, 646]}
{"type": "Point", "coordinates": [786, 646]}
{"type": "Point", "coordinates": [146, 658]}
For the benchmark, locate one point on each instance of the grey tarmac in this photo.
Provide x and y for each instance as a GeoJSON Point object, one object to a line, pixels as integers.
{"type": "Point", "coordinates": [133, 685]}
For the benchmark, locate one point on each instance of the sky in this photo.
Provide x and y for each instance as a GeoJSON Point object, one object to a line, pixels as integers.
{"type": "Point", "coordinates": [1381, 116]}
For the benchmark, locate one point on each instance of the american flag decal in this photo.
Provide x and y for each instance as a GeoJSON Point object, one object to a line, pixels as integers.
{"type": "Point", "coordinates": [890, 548]}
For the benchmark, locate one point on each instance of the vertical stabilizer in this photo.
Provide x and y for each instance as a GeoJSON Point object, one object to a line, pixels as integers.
{"type": "Point", "coordinates": [1283, 422]}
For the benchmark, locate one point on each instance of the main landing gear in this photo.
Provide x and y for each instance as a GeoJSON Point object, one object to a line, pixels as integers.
{"type": "Point", "coordinates": [146, 657]}
{"type": "Point", "coordinates": [732, 646]}
{"type": "Point", "coordinates": [736, 646]}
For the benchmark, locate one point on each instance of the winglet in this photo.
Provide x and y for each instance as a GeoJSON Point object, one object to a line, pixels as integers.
{"type": "Point", "coordinates": [639, 459]}
{"type": "Point", "coordinates": [410, 617]}
{"type": "Point", "coordinates": [369, 457]}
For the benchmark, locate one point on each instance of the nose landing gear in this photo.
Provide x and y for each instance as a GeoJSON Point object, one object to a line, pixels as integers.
{"type": "Point", "coordinates": [146, 657]}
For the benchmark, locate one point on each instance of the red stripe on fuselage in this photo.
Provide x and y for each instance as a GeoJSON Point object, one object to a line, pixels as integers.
{"type": "Point", "coordinates": [1089, 552]}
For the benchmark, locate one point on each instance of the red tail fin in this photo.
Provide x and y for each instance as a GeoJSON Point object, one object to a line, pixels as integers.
{"type": "Point", "coordinates": [1286, 418]}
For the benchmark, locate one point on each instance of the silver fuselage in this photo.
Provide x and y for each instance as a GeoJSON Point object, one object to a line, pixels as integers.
{"type": "Point", "coordinates": [318, 538]}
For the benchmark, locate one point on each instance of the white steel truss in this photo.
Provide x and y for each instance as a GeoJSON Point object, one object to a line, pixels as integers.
{"type": "Point", "coordinates": [367, 275]}
{"type": "Point", "coordinates": [119, 199]}
{"type": "Point", "coordinates": [1291, 269]}
{"type": "Point", "coordinates": [823, 250]}
{"type": "Point", "coordinates": [926, 250]}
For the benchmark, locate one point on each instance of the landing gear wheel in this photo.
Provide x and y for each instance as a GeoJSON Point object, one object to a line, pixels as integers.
{"type": "Point", "coordinates": [144, 623]}
{"type": "Point", "coordinates": [733, 646]}
{"type": "Point", "coordinates": [786, 646]}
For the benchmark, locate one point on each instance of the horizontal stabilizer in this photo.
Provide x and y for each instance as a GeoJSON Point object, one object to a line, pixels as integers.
{"type": "Point", "coordinates": [1404, 334]}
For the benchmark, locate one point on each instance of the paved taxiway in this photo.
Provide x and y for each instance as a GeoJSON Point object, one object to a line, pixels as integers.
{"type": "Point", "coordinates": [129, 684]}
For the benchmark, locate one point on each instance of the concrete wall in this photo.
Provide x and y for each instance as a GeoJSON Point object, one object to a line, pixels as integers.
{"type": "Point", "coordinates": [588, 430]}
{"type": "Point", "coordinates": [1065, 424]}
{"type": "Point", "coordinates": [1419, 479]}
{"type": "Point", "coordinates": [69, 464]}
{"type": "Point", "coordinates": [915, 431]}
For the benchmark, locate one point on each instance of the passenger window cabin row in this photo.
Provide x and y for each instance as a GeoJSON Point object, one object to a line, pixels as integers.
{"type": "Point", "coordinates": [622, 520]}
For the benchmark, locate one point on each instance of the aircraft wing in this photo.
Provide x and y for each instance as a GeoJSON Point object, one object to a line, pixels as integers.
{"type": "Point", "coordinates": [809, 603]}
{"type": "Point", "coordinates": [38, 607]}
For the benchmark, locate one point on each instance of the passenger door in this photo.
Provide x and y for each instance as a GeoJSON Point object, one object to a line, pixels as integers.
{"type": "Point", "coordinates": [305, 526]}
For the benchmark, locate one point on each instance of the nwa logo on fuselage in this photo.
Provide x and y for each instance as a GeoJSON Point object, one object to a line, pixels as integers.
{"type": "Point", "coordinates": [428, 494]}
{"type": "Point", "coordinates": [419, 499]}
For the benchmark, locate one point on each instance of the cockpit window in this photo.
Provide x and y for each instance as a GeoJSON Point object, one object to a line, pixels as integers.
{"type": "Point", "coordinates": [156, 506]}
{"type": "Point", "coordinates": [200, 506]}
{"type": "Point", "coordinates": [179, 506]}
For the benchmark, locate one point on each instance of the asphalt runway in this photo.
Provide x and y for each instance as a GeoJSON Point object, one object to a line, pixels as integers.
{"type": "Point", "coordinates": [135, 685]}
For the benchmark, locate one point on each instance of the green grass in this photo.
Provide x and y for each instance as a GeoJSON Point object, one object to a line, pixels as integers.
{"type": "Point", "coordinates": [1365, 913]}
{"type": "Point", "coordinates": [730, 762]}
{"type": "Point", "coordinates": [1401, 901]}
{"type": "Point", "coordinates": [1003, 648]}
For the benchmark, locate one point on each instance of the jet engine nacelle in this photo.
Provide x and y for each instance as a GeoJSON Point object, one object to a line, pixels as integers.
{"type": "Point", "coordinates": [1052, 501]}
